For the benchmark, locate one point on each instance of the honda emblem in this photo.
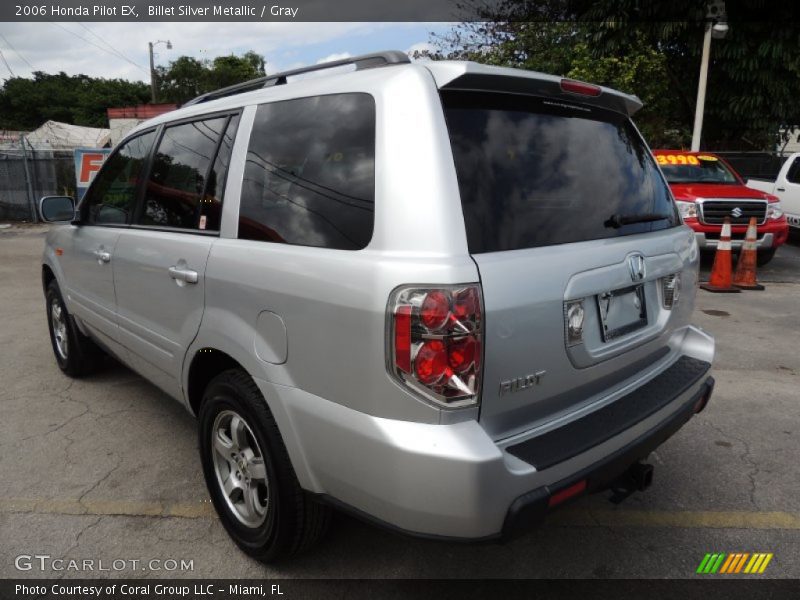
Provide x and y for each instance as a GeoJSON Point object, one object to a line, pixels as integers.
{"type": "Point", "coordinates": [636, 267]}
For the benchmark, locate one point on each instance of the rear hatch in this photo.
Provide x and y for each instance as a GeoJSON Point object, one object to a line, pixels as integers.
{"type": "Point", "coordinates": [566, 213]}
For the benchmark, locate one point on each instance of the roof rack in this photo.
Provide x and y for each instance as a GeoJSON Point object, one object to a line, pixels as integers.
{"type": "Point", "coordinates": [366, 61]}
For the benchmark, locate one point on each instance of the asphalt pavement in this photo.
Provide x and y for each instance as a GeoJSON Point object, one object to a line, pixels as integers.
{"type": "Point", "coordinates": [106, 468]}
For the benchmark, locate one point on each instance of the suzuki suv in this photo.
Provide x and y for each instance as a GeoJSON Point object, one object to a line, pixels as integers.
{"type": "Point", "coordinates": [445, 297]}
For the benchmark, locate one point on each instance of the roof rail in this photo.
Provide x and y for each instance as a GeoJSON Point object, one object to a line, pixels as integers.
{"type": "Point", "coordinates": [365, 61]}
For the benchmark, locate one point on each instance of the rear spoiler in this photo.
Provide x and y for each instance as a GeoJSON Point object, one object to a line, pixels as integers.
{"type": "Point", "coordinates": [462, 75]}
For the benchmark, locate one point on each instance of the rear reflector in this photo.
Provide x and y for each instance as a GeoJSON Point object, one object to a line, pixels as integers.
{"type": "Point", "coordinates": [580, 87]}
{"type": "Point", "coordinates": [567, 493]}
{"type": "Point", "coordinates": [402, 338]}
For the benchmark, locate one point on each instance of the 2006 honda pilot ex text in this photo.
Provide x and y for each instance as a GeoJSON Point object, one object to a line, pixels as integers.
{"type": "Point", "coordinates": [443, 296]}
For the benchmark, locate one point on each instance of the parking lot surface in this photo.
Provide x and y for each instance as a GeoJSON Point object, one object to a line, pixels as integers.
{"type": "Point", "coordinates": [106, 468]}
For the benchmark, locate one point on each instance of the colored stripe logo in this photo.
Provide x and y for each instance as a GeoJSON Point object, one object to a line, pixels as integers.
{"type": "Point", "coordinates": [735, 562]}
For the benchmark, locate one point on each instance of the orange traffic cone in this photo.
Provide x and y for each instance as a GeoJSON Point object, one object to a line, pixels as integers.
{"type": "Point", "coordinates": [745, 276]}
{"type": "Point", "coordinates": [721, 277]}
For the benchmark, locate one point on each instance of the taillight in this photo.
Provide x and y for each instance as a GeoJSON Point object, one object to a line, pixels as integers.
{"type": "Point", "coordinates": [435, 342]}
{"type": "Point", "coordinates": [580, 87]}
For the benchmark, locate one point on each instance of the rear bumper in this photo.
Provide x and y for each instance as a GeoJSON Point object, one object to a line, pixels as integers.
{"type": "Point", "coordinates": [530, 509]}
{"type": "Point", "coordinates": [454, 481]}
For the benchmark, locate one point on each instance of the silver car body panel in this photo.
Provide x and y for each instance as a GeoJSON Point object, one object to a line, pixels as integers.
{"type": "Point", "coordinates": [310, 324]}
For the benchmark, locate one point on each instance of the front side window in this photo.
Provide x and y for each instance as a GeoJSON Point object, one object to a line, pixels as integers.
{"type": "Point", "coordinates": [179, 174]}
{"type": "Point", "coordinates": [112, 195]}
{"type": "Point", "coordinates": [310, 173]}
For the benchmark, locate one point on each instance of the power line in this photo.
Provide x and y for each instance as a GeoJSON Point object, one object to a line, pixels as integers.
{"type": "Point", "coordinates": [2, 37]}
{"type": "Point", "coordinates": [91, 43]}
{"type": "Point", "coordinates": [6, 63]}
{"type": "Point", "coordinates": [121, 55]}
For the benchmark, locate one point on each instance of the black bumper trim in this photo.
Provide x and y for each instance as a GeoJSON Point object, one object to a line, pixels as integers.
{"type": "Point", "coordinates": [577, 437]}
{"type": "Point", "coordinates": [530, 509]}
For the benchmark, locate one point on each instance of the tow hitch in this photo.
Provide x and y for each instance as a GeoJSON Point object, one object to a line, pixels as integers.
{"type": "Point", "coordinates": [637, 478]}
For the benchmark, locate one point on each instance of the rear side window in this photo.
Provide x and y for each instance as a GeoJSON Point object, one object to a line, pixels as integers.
{"type": "Point", "coordinates": [211, 204]}
{"type": "Point", "coordinates": [112, 195]}
{"type": "Point", "coordinates": [181, 178]}
{"type": "Point", "coordinates": [310, 173]}
{"type": "Point", "coordinates": [536, 172]}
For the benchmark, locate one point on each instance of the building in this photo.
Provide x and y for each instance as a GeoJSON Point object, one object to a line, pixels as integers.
{"type": "Point", "coordinates": [122, 120]}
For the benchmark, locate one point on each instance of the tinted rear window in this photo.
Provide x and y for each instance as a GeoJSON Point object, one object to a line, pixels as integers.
{"type": "Point", "coordinates": [310, 173]}
{"type": "Point", "coordinates": [536, 172]}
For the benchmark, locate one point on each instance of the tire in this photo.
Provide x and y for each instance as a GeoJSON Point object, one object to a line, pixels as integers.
{"type": "Point", "coordinates": [266, 513]}
{"type": "Point", "coordinates": [764, 256]}
{"type": "Point", "coordinates": [76, 354]}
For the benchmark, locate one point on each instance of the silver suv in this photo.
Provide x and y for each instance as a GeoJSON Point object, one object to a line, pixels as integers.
{"type": "Point", "coordinates": [442, 296]}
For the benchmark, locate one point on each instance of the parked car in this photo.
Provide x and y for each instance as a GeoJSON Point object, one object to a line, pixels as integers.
{"type": "Point", "coordinates": [707, 189]}
{"type": "Point", "coordinates": [786, 188]}
{"type": "Point", "coordinates": [445, 297]}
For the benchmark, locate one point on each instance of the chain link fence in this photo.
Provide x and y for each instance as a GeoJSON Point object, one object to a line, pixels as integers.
{"type": "Point", "coordinates": [27, 176]}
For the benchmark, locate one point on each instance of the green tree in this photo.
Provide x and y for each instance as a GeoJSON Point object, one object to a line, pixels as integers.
{"type": "Point", "coordinates": [188, 77]}
{"type": "Point", "coordinates": [76, 99]}
{"type": "Point", "coordinates": [653, 49]}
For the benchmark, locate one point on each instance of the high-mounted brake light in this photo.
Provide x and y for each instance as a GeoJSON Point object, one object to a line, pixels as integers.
{"type": "Point", "coordinates": [436, 340]}
{"type": "Point", "coordinates": [580, 87]}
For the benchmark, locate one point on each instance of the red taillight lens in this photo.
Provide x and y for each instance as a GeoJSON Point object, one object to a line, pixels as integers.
{"type": "Point", "coordinates": [461, 354]}
{"type": "Point", "coordinates": [430, 363]}
{"type": "Point", "coordinates": [435, 310]}
{"type": "Point", "coordinates": [402, 338]}
{"type": "Point", "coordinates": [466, 303]}
{"type": "Point", "coordinates": [436, 341]}
{"type": "Point", "coordinates": [580, 87]}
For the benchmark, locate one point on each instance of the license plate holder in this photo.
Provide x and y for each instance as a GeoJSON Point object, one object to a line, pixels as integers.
{"type": "Point", "coordinates": [622, 311]}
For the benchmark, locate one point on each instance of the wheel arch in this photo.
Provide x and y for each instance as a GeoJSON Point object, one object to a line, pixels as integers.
{"type": "Point", "coordinates": [206, 364]}
{"type": "Point", "coordinates": [47, 276]}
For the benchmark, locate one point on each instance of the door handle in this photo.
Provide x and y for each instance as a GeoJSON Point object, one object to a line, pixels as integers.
{"type": "Point", "coordinates": [780, 189]}
{"type": "Point", "coordinates": [103, 256]}
{"type": "Point", "coordinates": [182, 274]}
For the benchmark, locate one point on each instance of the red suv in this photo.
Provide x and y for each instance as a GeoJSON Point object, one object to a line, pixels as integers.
{"type": "Point", "coordinates": [707, 189]}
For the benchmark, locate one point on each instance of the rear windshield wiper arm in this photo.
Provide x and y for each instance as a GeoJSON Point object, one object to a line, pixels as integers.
{"type": "Point", "coordinates": [616, 221]}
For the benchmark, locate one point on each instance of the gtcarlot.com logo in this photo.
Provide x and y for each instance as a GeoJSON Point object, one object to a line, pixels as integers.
{"type": "Point", "coordinates": [734, 563]}
{"type": "Point", "coordinates": [45, 562]}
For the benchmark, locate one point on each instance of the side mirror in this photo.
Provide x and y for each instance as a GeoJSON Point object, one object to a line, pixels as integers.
{"type": "Point", "coordinates": [57, 209]}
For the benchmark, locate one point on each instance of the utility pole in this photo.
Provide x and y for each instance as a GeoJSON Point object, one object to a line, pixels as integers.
{"type": "Point", "coordinates": [153, 83]}
{"type": "Point", "coordinates": [718, 28]}
{"type": "Point", "coordinates": [152, 74]}
{"type": "Point", "coordinates": [701, 90]}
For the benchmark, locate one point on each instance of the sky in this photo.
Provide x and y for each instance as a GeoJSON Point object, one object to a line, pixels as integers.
{"type": "Point", "coordinates": [119, 50]}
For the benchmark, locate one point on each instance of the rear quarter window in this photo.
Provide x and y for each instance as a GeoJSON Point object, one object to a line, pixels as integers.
{"type": "Point", "coordinates": [310, 173]}
{"type": "Point", "coordinates": [537, 172]}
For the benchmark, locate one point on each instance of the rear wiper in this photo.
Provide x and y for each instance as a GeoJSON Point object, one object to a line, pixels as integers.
{"type": "Point", "coordinates": [617, 221]}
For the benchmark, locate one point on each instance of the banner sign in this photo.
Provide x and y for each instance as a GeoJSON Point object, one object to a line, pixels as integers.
{"type": "Point", "coordinates": [87, 163]}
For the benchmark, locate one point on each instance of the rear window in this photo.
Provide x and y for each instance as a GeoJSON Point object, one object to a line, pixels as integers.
{"type": "Point", "coordinates": [695, 168]}
{"type": "Point", "coordinates": [537, 172]}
